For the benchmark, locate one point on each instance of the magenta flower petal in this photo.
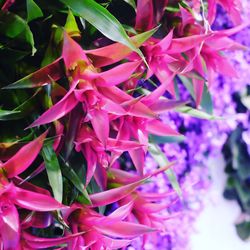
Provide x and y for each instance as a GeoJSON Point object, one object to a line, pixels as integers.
{"type": "Point", "coordinates": [91, 158]}
{"type": "Point", "coordinates": [135, 107]}
{"type": "Point", "coordinates": [60, 109]}
{"type": "Point", "coordinates": [9, 226]}
{"type": "Point", "coordinates": [119, 214]}
{"type": "Point", "coordinates": [113, 195]}
{"type": "Point", "coordinates": [115, 75]}
{"type": "Point", "coordinates": [144, 15]}
{"type": "Point", "coordinates": [41, 243]}
{"type": "Point", "coordinates": [34, 201]}
{"type": "Point", "coordinates": [183, 44]}
{"type": "Point", "coordinates": [112, 107]}
{"type": "Point", "coordinates": [153, 96]}
{"type": "Point", "coordinates": [100, 123]}
{"type": "Point", "coordinates": [72, 52]}
{"type": "Point", "coordinates": [165, 42]}
{"type": "Point", "coordinates": [122, 177]}
{"type": "Point", "coordinates": [24, 157]}
{"type": "Point", "coordinates": [159, 128]}
{"type": "Point", "coordinates": [138, 158]}
{"type": "Point", "coordinates": [122, 145]}
{"type": "Point", "coordinates": [124, 229]}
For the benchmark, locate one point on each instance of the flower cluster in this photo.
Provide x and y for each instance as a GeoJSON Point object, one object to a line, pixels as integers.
{"type": "Point", "coordinates": [100, 109]}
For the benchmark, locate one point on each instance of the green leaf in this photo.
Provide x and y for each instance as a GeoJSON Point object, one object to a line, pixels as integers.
{"type": "Point", "coordinates": [162, 161]}
{"type": "Point", "coordinates": [71, 175]}
{"type": "Point", "coordinates": [243, 230]}
{"type": "Point", "coordinates": [26, 107]}
{"type": "Point", "coordinates": [33, 10]}
{"type": "Point", "coordinates": [53, 50]}
{"type": "Point", "coordinates": [187, 82]}
{"type": "Point", "coordinates": [40, 77]}
{"type": "Point", "coordinates": [71, 26]}
{"type": "Point", "coordinates": [206, 101]}
{"type": "Point", "coordinates": [103, 20]}
{"type": "Point", "coordinates": [6, 115]}
{"type": "Point", "coordinates": [53, 170]}
{"type": "Point", "coordinates": [165, 139]}
{"type": "Point", "coordinates": [14, 27]}
{"type": "Point", "coordinates": [197, 113]}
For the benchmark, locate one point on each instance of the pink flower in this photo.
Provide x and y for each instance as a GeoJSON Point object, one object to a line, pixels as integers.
{"type": "Point", "coordinates": [12, 196]}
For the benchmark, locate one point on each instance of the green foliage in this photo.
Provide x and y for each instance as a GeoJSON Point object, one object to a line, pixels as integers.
{"type": "Point", "coordinates": [53, 171]}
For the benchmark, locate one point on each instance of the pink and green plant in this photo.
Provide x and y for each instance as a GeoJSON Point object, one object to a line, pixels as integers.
{"type": "Point", "coordinates": [99, 90]}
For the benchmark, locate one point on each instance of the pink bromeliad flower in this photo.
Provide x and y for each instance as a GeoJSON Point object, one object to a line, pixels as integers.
{"type": "Point", "coordinates": [104, 102]}
{"type": "Point", "coordinates": [13, 197]}
{"type": "Point", "coordinates": [115, 230]}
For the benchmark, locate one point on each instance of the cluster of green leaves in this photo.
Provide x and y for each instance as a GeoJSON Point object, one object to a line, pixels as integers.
{"type": "Point", "coordinates": [238, 171]}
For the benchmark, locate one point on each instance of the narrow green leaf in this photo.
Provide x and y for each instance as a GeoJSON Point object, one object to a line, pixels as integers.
{"type": "Point", "coordinates": [53, 50]}
{"type": "Point", "coordinates": [103, 20]}
{"type": "Point", "coordinates": [165, 139]}
{"type": "Point", "coordinates": [71, 175]}
{"type": "Point", "coordinates": [187, 82]}
{"type": "Point", "coordinates": [206, 101]}
{"type": "Point", "coordinates": [13, 26]}
{"type": "Point", "coordinates": [162, 161]}
{"type": "Point", "coordinates": [71, 26]}
{"type": "Point", "coordinates": [53, 170]}
{"type": "Point", "coordinates": [40, 77]}
{"type": "Point", "coordinates": [6, 115]}
{"type": "Point", "coordinates": [197, 113]}
{"type": "Point", "coordinates": [33, 10]}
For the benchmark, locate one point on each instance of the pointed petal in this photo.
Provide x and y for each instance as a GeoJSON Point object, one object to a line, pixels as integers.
{"type": "Point", "coordinates": [100, 122]}
{"type": "Point", "coordinates": [159, 128]}
{"type": "Point", "coordinates": [24, 157]}
{"type": "Point", "coordinates": [124, 229]}
{"type": "Point", "coordinates": [40, 77]}
{"type": "Point", "coordinates": [72, 52]}
{"type": "Point", "coordinates": [113, 195]}
{"type": "Point", "coordinates": [9, 228]}
{"type": "Point", "coordinates": [118, 215]}
{"type": "Point", "coordinates": [122, 145]}
{"type": "Point", "coordinates": [115, 52]}
{"type": "Point", "coordinates": [158, 92]}
{"type": "Point", "coordinates": [91, 159]}
{"type": "Point", "coordinates": [43, 243]}
{"type": "Point", "coordinates": [144, 15]}
{"type": "Point", "coordinates": [165, 42]}
{"type": "Point", "coordinates": [115, 75]}
{"type": "Point", "coordinates": [232, 31]}
{"type": "Point", "coordinates": [112, 107]}
{"type": "Point", "coordinates": [183, 44]}
{"type": "Point", "coordinates": [122, 177]}
{"type": "Point", "coordinates": [122, 212]}
{"type": "Point", "coordinates": [60, 109]}
{"type": "Point", "coordinates": [135, 107]}
{"type": "Point", "coordinates": [35, 201]}
{"type": "Point", "coordinates": [138, 158]}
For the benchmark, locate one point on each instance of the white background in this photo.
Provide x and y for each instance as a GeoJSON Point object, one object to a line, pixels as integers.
{"type": "Point", "coordinates": [215, 226]}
